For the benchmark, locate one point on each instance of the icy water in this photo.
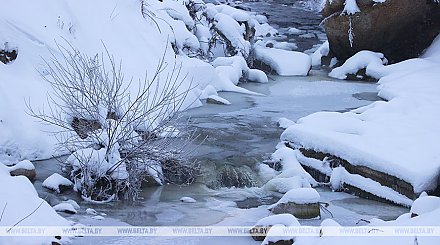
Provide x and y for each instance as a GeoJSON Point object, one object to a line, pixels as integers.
{"type": "Point", "coordinates": [242, 134]}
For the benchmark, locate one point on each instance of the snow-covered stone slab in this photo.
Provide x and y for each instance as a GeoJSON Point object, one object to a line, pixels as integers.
{"type": "Point", "coordinates": [57, 182]}
{"type": "Point", "coordinates": [284, 62]}
{"type": "Point", "coordinates": [397, 138]}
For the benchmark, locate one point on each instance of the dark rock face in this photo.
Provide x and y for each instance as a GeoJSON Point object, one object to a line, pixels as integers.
{"type": "Point", "coordinates": [400, 29]}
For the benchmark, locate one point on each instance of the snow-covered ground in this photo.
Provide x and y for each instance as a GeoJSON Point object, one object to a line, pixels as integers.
{"type": "Point", "coordinates": [138, 34]}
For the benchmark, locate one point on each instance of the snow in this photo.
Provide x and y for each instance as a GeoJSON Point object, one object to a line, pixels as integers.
{"type": "Point", "coordinates": [54, 182]}
{"type": "Point", "coordinates": [274, 235]}
{"type": "Point", "coordinates": [25, 164]}
{"type": "Point", "coordinates": [323, 50]}
{"type": "Point", "coordinates": [254, 75]}
{"type": "Point", "coordinates": [65, 207]}
{"type": "Point", "coordinates": [397, 136]}
{"type": "Point", "coordinates": [285, 63]}
{"type": "Point", "coordinates": [283, 185]}
{"type": "Point", "coordinates": [285, 123]}
{"type": "Point", "coordinates": [188, 200]}
{"type": "Point", "coordinates": [290, 165]}
{"type": "Point", "coordinates": [280, 219]}
{"type": "Point", "coordinates": [363, 59]}
{"type": "Point", "coordinates": [429, 219]}
{"type": "Point", "coordinates": [91, 211]}
{"type": "Point", "coordinates": [295, 31]}
{"type": "Point", "coordinates": [340, 176]}
{"type": "Point", "coordinates": [425, 204]}
{"type": "Point", "coordinates": [18, 198]}
{"type": "Point", "coordinates": [299, 196]}
{"type": "Point", "coordinates": [142, 40]}
{"type": "Point", "coordinates": [350, 7]}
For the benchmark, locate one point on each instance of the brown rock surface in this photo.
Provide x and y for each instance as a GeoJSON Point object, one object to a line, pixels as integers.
{"type": "Point", "coordinates": [400, 29]}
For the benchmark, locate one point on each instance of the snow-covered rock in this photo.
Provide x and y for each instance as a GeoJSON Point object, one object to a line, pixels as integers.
{"type": "Point", "coordinates": [24, 168]}
{"type": "Point", "coordinates": [57, 182]}
{"type": "Point", "coordinates": [262, 227]}
{"type": "Point", "coordinates": [301, 202]}
{"type": "Point", "coordinates": [283, 62]}
{"type": "Point", "coordinates": [65, 207]}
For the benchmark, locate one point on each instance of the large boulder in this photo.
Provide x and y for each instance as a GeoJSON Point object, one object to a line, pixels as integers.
{"type": "Point", "coordinates": [400, 29]}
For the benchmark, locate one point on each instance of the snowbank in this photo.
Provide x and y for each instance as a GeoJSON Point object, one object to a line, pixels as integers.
{"type": "Point", "coordinates": [18, 199]}
{"type": "Point", "coordinates": [284, 62]}
{"type": "Point", "coordinates": [139, 35]}
{"type": "Point", "coordinates": [397, 137]}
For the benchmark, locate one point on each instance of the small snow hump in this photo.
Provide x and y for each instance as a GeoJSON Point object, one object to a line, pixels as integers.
{"type": "Point", "coordinates": [188, 200]}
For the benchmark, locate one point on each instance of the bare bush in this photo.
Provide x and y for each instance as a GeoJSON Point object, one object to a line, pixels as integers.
{"type": "Point", "coordinates": [119, 137]}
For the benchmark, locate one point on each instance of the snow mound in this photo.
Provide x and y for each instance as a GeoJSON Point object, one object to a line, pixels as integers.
{"type": "Point", "coordinates": [25, 164]}
{"type": "Point", "coordinates": [283, 62]}
{"type": "Point", "coordinates": [54, 182]}
{"type": "Point", "coordinates": [285, 123]}
{"type": "Point", "coordinates": [18, 198]}
{"type": "Point", "coordinates": [425, 204]}
{"type": "Point", "coordinates": [283, 185]}
{"type": "Point", "coordinates": [275, 234]}
{"type": "Point", "coordinates": [282, 219]}
{"type": "Point", "coordinates": [363, 59]}
{"type": "Point", "coordinates": [188, 200]}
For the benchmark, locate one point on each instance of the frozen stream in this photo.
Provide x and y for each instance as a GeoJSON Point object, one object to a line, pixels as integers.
{"type": "Point", "coordinates": [243, 133]}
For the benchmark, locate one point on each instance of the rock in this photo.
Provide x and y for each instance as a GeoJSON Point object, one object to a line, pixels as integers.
{"type": "Point", "coordinates": [23, 168]}
{"type": "Point", "coordinates": [241, 176]}
{"type": "Point", "coordinates": [214, 99]}
{"type": "Point", "coordinates": [65, 207]}
{"type": "Point", "coordinates": [303, 203]}
{"type": "Point", "coordinates": [57, 183]}
{"type": "Point", "coordinates": [382, 27]}
{"type": "Point", "coordinates": [301, 211]}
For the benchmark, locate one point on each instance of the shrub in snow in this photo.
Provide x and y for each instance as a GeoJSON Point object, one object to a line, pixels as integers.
{"type": "Point", "coordinates": [117, 139]}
